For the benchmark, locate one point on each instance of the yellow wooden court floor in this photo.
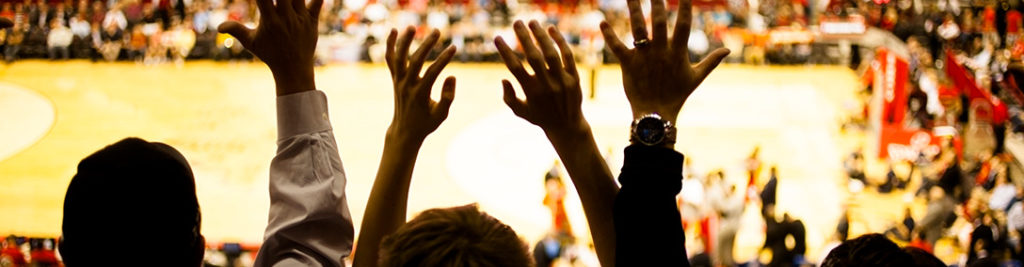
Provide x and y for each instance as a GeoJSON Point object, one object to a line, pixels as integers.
{"type": "Point", "coordinates": [221, 117]}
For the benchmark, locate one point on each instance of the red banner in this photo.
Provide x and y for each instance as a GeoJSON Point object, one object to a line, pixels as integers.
{"type": "Point", "coordinates": [964, 81]}
{"type": "Point", "coordinates": [888, 75]}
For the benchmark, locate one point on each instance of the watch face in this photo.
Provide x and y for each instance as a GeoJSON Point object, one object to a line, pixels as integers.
{"type": "Point", "coordinates": [650, 131]}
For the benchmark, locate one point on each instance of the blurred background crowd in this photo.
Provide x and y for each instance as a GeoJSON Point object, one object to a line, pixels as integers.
{"type": "Point", "coordinates": [770, 31]}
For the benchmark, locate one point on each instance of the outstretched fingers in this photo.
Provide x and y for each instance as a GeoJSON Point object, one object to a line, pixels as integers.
{"type": "Point", "coordinates": [434, 71]}
{"type": "Point", "coordinates": [613, 42]}
{"type": "Point", "coordinates": [704, 68]}
{"type": "Point", "coordinates": [511, 60]}
{"type": "Point", "coordinates": [447, 96]}
{"type": "Point", "coordinates": [417, 59]}
{"type": "Point", "coordinates": [684, 17]}
{"type": "Point", "coordinates": [238, 31]}
{"type": "Point", "coordinates": [402, 51]}
{"type": "Point", "coordinates": [636, 20]}
{"type": "Point", "coordinates": [547, 47]}
{"type": "Point", "coordinates": [517, 106]}
{"type": "Point", "coordinates": [533, 55]}
{"type": "Point", "coordinates": [659, 23]}
{"type": "Point", "coordinates": [389, 55]}
{"type": "Point", "coordinates": [567, 56]}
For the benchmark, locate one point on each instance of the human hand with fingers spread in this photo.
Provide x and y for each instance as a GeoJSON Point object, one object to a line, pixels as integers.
{"type": "Point", "coordinates": [285, 40]}
{"type": "Point", "coordinates": [553, 102]}
{"type": "Point", "coordinates": [553, 94]}
{"type": "Point", "coordinates": [416, 115]}
{"type": "Point", "coordinates": [657, 74]}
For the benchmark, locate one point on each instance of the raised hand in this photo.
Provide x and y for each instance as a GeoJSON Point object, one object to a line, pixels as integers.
{"type": "Point", "coordinates": [553, 95]}
{"type": "Point", "coordinates": [416, 115]}
{"type": "Point", "coordinates": [657, 74]}
{"type": "Point", "coordinates": [285, 40]}
{"type": "Point", "coordinates": [553, 99]}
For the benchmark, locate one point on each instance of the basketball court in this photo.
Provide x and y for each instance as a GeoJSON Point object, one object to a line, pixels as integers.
{"type": "Point", "coordinates": [221, 116]}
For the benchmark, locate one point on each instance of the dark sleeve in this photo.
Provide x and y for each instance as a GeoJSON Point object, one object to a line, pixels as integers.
{"type": "Point", "coordinates": [800, 236]}
{"type": "Point", "coordinates": [648, 228]}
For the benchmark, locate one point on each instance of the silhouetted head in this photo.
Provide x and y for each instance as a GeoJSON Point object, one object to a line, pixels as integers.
{"type": "Point", "coordinates": [922, 258]}
{"type": "Point", "coordinates": [137, 193]}
{"type": "Point", "coordinates": [867, 250]}
{"type": "Point", "coordinates": [457, 236]}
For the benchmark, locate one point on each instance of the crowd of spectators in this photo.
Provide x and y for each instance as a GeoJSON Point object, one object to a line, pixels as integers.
{"type": "Point", "coordinates": [155, 31]}
{"type": "Point", "coordinates": [144, 31]}
{"type": "Point", "coordinates": [956, 53]}
{"type": "Point", "coordinates": [22, 251]}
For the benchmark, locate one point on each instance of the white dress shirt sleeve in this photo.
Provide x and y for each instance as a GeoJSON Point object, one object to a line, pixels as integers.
{"type": "Point", "coordinates": [309, 222]}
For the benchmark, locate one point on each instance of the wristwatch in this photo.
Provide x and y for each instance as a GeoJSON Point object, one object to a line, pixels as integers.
{"type": "Point", "coordinates": [652, 130]}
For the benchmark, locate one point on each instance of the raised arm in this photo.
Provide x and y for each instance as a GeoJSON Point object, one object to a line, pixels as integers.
{"type": "Point", "coordinates": [553, 99]}
{"type": "Point", "coordinates": [658, 78]}
{"type": "Point", "coordinates": [416, 116]}
{"type": "Point", "coordinates": [309, 222]}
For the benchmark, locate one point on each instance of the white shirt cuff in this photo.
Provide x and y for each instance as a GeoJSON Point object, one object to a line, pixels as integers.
{"type": "Point", "coordinates": [302, 113]}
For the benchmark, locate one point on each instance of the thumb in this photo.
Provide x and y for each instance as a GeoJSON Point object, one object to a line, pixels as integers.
{"type": "Point", "coordinates": [513, 102]}
{"type": "Point", "coordinates": [710, 63]}
{"type": "Point", "coordinates": [240, 32]}
{"type": "Point", "coordinates": [447, 96]}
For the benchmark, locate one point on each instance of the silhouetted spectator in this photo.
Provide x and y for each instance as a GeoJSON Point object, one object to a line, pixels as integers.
{"type": "Point", "coordinates": [129, 189]}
